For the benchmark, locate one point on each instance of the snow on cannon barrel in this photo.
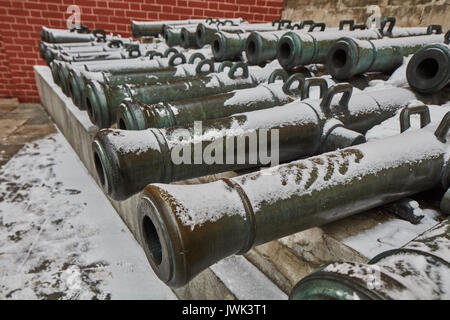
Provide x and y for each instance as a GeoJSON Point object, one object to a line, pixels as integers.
{"type": "Point", "coordinates": [261, 47]}
{"type": "Point", "coordinates": [228, 46]}
{"type": "Point", "coordinates": [102, 101]}
{"type": "Point", "coordinates": [296, 48]}
{"type": "Point", "coordinates": [155, 28]}
{"type": "Point", "coordinates": [348, 57]}
{"type": "Point", "coordinates": [420, 270]}
{"type": "Point", "coordinates": [151, 72]}
{"type": "Point", "coordinates": [185, 229]}
{"type": "Point", "coordinates": [294, 130]}
{"type": "Point", "coordinates": [428, 70]}
{"type": "Point", "coordinates": [205, 33]}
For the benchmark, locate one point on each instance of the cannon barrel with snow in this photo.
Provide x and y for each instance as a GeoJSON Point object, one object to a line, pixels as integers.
{"type": "Point", "coordinates": [228, 46]}
{"type": "Point", "coordinates": [205, 33]}
{"type": "Point", "coordinates": [280, 134]}
{"type": "Point", "coordinates": [79, 34]}
{"type": "Point", "coordinates": [185, 229]}
{"type": "Point", "coordinates": [428, 70]}
{"type": "Point", "coordinates": [188, 37]}
{"type": "Point", "coordinates": [102, 101]}
{"type": "Point", "coordinates": [157, 58]}
{"type": "Point", "coordinates": [261, 47]}
{"type": "Point", "coordinates": [348, 56]}
{"type": "Point", "coordinates": [134, 115]}
{"type": "Point", "coordinates": [297, 48]}
{"type": "Point", "coordinates": [155, 28]}
{"type": "Point", "coordinates": [150, 72]}
{"type": "Point", "coordinates": [420, 270]}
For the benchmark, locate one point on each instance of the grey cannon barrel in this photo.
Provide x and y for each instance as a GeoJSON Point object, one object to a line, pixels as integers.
{"type": "Point", "coordinates": [205, 33]}
{"type": "Point", "coordinates": [103, 101]}
{"type": "Point", "coordinates": [299, 48]}
{"type": "Point", "coordinates": [106, 54]}
{"type": "Point", "coordinates": [185, 229]}
{"type": "Point", "coordinates": [133, 115]}
{"type": "Point", "coordinates": [61, 70]}
{"type": "Point", "coordinates": [188, 38]}
{"type": "Point", "coordinates": [420, 270]}
{"type": "Point", "coordinates": [388, 29]}
{"type": "Point", "coordinates": [154, 28]}
{"type": "Point", "coordinates": [151, 73]}
{"type": "Point", "coordinates": [297, 129]}
{"type": "Point", "coordinates": [228, 46]}
{"type": "Point", "coordinates": [64, 35]}
{"type": "Point", "coordinates": [156, 60]}
{"type": "Point", "coordinates": [428, 70]}
{"type": "Point", "coordinates": [51, 53]}
{"type": "Point", "coordinates": [261, 47]}
{"type": "Point", "coordinates": [349, 57]}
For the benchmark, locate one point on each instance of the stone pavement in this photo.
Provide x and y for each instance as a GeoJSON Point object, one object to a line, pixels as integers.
{"type": "Point", "coordinates": [19, 124]}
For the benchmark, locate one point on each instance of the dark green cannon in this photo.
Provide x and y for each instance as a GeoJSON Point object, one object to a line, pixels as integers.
{"type": "Point", "coordinates": [417, 271]}
{"type": "Point", "coordinates": [228, 46]}
{"type": "Point", "coordinates": [428, 70]}
{"type": "Point", "coordinates": [104, 54]}
{"type": "Point", "coordinates": [154, 28]}
{"type": "Point", "coordinates": [173, 37]}
{"type": "Point", "coordinates": [205, 33]}
{"type": "Point", "coordinates": [134, 115]}
{"type": "Point", "coordinates": [188, 38]}
{"type": "Point", "coordinates": [64, 35]}
{"type": "Point", "coordinates": [348, 57]}
{"type": "Point", "coordinates": [261, 47]}
{"type": "Point", "coordinates": [388, 29]}
{"type": "Point", "coordinates": [48, 51]}
{"type": "Point", "coordinates": [103, 101]}
{"type": "Point", "coordinates": [305, 127]}
{"type": "Point", "coordinates": [300, 48]}
{"type": "Point", "coordinates": [61, 70]}
{"type": "Point", "coordinates": [185, 229]}
{"type": "Point", "coordinates": [152, 73]}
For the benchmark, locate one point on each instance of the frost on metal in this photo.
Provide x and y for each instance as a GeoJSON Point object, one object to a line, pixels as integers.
{"type": "Point", "coordinates": [338, 168]}
{"type": "Point", "coordinates": [194, 207]}
{"type": "Point", "coordinates": [133, 141]}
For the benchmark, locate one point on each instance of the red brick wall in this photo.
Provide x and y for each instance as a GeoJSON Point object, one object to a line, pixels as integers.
{"type": "Point", "coordinates": [21, 21]}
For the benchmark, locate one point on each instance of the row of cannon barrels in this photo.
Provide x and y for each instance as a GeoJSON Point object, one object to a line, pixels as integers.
{"type": "Point", "coordinates": [296, 93]}
{"type": "Point", "coordinates": [340, 48]}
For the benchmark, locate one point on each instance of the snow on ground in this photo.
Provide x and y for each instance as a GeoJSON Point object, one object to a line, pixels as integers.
{"type": "Point", "coordinates": [60, 238]}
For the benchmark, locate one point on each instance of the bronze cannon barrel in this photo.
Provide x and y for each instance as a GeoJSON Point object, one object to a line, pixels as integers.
{"type": "Point", "coordinates": [261, 47]}
{"type": "Point", "coordinates": [65, 35]}
{"type": "Point", "coordinates": [348, 57]}
{"type": "Point", "coordinates": [103, 101]}
{"type": "Point", "coordinates": [188, 37]}
{"type": "Point", "coordinates": [298, 129]}
{"type": "Point", "coordinates": [228, 46]}
{"type": "Point", "coordinates": [134, 115]}
{"type": "Point", "coordinates": [300, 48]}
{"type": "Point", "coordinates": [428, 70]}
{"type": "Point", "coordinates": [185, 229]}
{"type": "Point", "coordinates": [205, 33]}
{"type": "Point", "coordinates": [154, 28]}
{"type": "Point", "coordinates": [420, 270]}
{"type": "Point", "coordinates": [151, 73]}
